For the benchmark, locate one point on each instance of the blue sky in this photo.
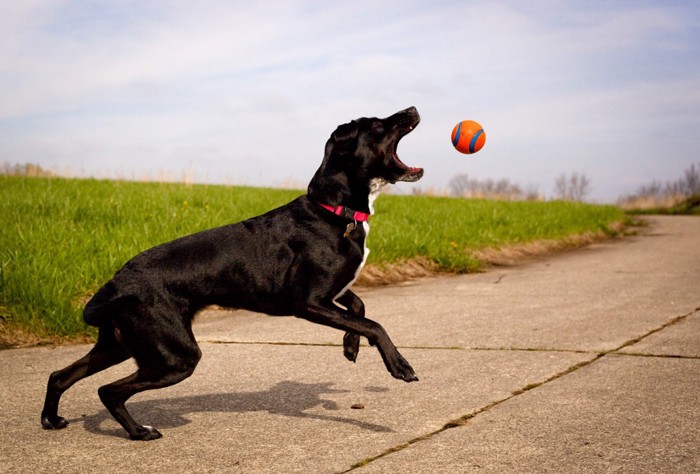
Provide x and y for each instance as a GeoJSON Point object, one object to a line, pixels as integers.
{"type": "Point", "coordinates": [223, 91]}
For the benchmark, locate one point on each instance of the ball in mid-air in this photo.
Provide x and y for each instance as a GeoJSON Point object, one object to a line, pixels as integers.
{"type": "Point", "coordinates": [468, 137]}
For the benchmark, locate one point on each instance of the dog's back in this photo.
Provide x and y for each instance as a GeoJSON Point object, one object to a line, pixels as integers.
{"type": "Point", "coordinates": [259, 264]}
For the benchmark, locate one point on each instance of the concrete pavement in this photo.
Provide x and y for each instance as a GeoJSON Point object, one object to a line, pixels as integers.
{"type": "Point", "coordinates": [582, 362]}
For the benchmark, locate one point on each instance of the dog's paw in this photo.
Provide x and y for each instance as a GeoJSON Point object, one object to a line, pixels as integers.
{"type": "Point", "coordinates": [351, 346]}
{"type": "Point", "coordinates": [406, 375]}
{"type": "Point", "coordinates": [53, 423]}
{"type": "Point", "coordinates": [145, 433]}
{"type": "Point", "coordinates": [400, 368]}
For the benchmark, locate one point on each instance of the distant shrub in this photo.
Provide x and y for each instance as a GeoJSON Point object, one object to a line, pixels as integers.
{"type": "Point", "coordinates": [464, 186]}
{"type": "Point", "coordinates": [658, 195]}
{"type": "Point", "coordinates": [573, 188]}
{"type": "Point", "coordinates": [25, 169]}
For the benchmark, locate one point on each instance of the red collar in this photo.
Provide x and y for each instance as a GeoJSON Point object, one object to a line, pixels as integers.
{"type": "Point", "coordinates": [346, 212]}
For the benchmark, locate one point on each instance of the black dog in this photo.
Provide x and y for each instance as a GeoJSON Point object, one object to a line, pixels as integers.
{"type": "Point", "coordinates": [299, 259]}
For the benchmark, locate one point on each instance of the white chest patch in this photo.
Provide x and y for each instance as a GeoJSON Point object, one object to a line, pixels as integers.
{"type": "Point", "coordinates": [365, 226]}
{"type": "Point", "coordinates": [375, 188]}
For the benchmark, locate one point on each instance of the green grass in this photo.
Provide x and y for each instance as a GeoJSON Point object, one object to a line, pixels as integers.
{"type": "Point", "coordinates": [60, 239]}
{"type": "Point", "coordinates": [446, 229]}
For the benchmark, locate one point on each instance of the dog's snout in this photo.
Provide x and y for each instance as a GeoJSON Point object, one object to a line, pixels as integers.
{"type": "Point", "coordinates": [407, 117]}
{"type": "Point", "coordinates": [410, 112]}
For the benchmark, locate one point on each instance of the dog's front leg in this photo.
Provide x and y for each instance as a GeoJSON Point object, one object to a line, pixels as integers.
{"type": "Point", "coordinates": [356, 308]}
{"type": "Point", "coordinates": [331, 315]}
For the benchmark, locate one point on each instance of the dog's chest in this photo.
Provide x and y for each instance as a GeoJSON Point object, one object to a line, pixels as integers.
{"type": "Point", "coordinates": [365, 253]}
{"type": "Point", "coordinates": [365, 228]}
{"type": "Point", "coordinates": [375, 188]}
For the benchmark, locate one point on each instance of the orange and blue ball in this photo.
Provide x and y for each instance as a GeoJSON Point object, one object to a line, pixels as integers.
{"type": "Point", "coordinates": [468, 137]}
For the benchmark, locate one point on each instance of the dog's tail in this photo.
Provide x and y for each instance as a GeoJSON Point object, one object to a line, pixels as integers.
{"type": "Point", "coordinates": [105, 304]}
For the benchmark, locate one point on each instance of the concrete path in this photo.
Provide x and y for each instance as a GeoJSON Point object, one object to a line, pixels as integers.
{"type": "Point", "coordinates": [582, 362]}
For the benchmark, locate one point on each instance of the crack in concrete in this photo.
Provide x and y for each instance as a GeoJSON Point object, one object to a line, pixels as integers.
{"type": "Point", "coordinates": [271, 343]}
{"type": "Point", "coordinates": [673, 321]}
{"type": "Point", "coordinates": [324, 344]}
{"type": "Point", "coordinates": [657, 356]}
{"type": "Point", "coordinates": [464, 420]}
{"type": "Point", "coordinates": [456, 348]}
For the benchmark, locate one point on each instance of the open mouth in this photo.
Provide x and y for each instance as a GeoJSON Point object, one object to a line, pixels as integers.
{"type": "Point", "coordinates": [412, 173]}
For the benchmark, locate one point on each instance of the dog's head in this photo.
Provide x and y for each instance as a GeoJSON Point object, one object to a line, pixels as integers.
{"type": "Point", "coordinates": [362, 153]}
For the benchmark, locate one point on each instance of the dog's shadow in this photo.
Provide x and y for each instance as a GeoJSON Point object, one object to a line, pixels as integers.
{"type": "Point", "coordinates": [286, 399]}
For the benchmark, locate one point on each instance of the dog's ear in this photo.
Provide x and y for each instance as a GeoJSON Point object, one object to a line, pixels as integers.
{"type": "Point", "coordinates": [341, 138]}
{"type": "Point", "coordinates": [329, 184]}
{"type": "Point", "coordinates": [345, 132]}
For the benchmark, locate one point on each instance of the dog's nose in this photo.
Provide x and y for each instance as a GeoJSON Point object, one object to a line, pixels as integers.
{"type": "Point", "coordinates": [411, 114]}
{"type": "Point", "coordinates": [407, 118]}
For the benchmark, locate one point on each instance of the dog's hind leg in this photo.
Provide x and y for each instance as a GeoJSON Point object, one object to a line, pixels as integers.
{"type": "Point", "coordinates": [164, 358]}
{"type": "Point", "coordinates": [116, 394]}
{"type": "Point", "coordinates": [106, 353]}
{"type": "Point", "coordinates": [356, 308]}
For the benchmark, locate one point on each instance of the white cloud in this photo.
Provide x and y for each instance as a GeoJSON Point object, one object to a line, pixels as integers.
{"type": "Point", "coordinates": [256, 89]}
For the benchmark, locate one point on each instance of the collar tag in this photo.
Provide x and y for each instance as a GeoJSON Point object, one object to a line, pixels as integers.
{"type": "Point", "coordinates": [350, 227]}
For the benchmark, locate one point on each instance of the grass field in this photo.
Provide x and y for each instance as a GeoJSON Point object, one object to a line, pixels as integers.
{"type": "Point", "coordinates": [61, 239]}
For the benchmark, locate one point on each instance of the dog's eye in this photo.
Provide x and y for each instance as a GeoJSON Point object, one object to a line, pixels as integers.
{"type": "Point", "coordinates": [377, 128]}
